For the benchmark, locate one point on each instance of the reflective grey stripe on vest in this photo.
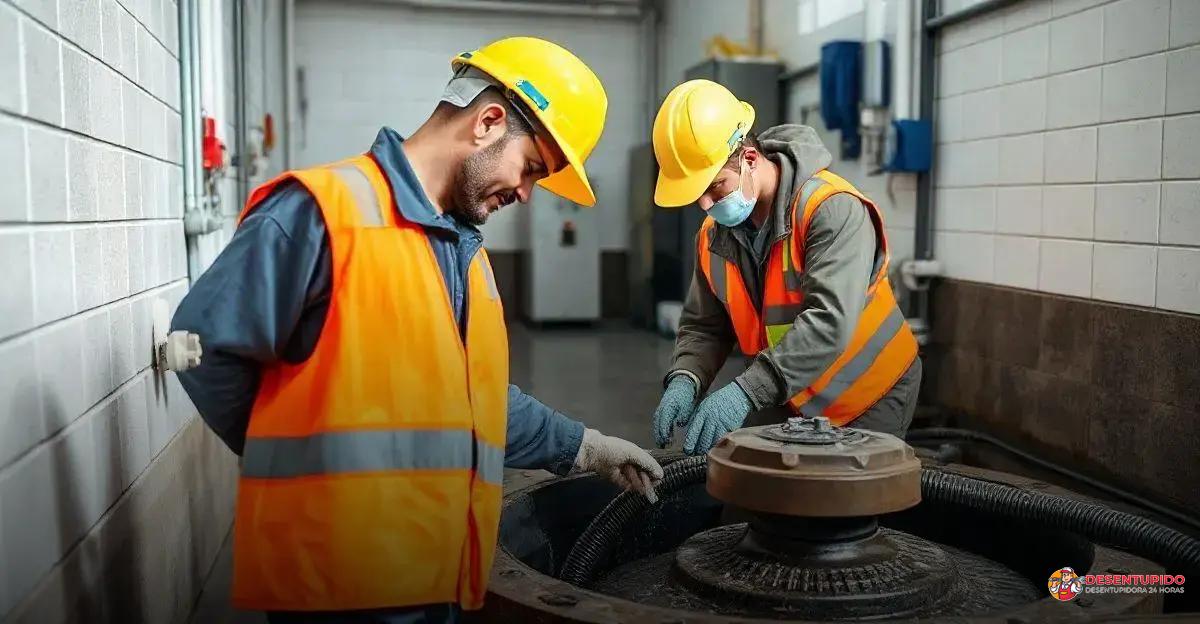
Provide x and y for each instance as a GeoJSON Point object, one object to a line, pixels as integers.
{"type": "Point", "coordinates": [782, 314]}
{"type": "Point", "coordinates": [491, 462]}
{"type": "Point", "coordinates": [341, 452]}
{"type": "Point", "coordinates": [716, 273]}
{"type": "Point", "coordinates": [857, 365]}
{"type": "Point", "coordinates": [363, 193]}
{"type": "Point", "coordinates": [488, 276]}
{"type": "Point", "coordinates": [792, 276]}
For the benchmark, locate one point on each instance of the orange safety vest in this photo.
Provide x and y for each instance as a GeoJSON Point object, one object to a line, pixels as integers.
{"type": "Point", "coordinates": [372, 471]}
{"type": "Point", "coordinates": [882, 346]}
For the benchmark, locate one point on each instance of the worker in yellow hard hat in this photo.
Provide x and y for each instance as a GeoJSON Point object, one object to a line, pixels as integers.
{"type": "Point", "coordinates": [355, 353]}
{"type": "Point", "coordinates": [791, 270]}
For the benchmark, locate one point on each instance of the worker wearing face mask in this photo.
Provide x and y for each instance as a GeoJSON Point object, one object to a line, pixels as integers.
{"type": "Point", "coordinates": [791, 270]}
{"type": "Point", "coordinates": [356, 355]}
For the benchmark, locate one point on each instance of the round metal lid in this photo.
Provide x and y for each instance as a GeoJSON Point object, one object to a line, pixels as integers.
{"type": "Point", "coordinates": [807, 468]}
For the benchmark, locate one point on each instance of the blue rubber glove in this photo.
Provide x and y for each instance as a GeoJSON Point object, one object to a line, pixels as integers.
{"type": "Point", "coordinates": [718, 414]}
{"type": "Point", "coordinates": [675, 408]}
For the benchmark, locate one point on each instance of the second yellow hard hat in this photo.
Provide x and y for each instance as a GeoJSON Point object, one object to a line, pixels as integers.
{"type": "Point", "coordinates": [698, 127]}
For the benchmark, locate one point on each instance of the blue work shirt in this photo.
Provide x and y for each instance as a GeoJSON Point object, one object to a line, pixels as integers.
{"type": "Point", "coordinates": [265, 298]}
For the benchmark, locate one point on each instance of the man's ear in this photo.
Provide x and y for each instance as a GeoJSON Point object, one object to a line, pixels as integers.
{"type": "Point", "coordinates": [751, 155]}
{"type": "Point", "coordinates": [491, 121]}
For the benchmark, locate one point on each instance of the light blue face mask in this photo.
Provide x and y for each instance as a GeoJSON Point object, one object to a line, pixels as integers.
{"type": "Point", "coordinates": [734, 207]}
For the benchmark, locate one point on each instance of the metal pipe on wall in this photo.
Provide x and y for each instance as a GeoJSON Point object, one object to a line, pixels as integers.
{"type": "Point", "coordinates": [593, 8]}
{"type": "Point", "coordinates": [197, 112]}
{"type": "Point", "coordinates": [240, 140]}
{"type": "Point", "coordinates": [929, 25]}
{"type": "Point", "coordinates": [902, 100]}
{"type": "Point", "coordinates": [289, 81]}
{"type": "Point", "coordinates": [923, 243]}
{"type": "Point", "coordinates": [187, 103]}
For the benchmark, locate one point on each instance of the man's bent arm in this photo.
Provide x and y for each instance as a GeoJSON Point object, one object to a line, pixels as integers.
{"type": "Point", "coordinates": [838, 259]}
{"type": "Point", "coordinates": [539, 436]}
{"type": "Point", "coordinates": [246, 306]}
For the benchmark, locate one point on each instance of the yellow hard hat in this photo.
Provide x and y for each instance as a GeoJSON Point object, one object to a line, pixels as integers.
{"type": "Point", "coordinates": [697, 128]}
{"type": "Point", "coordinates": [561, 91]}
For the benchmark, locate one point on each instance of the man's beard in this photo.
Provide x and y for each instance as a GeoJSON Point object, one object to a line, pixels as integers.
{"type": "Point", "coordinates": [475, 175]}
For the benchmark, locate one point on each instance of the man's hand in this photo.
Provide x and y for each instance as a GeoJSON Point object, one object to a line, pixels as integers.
{"type": "Point", "coordinates": [718, 414]}
{"type": "Point", "coordinates": [619, 461]}
{"type": "Point", "coordinates": [675, 408]}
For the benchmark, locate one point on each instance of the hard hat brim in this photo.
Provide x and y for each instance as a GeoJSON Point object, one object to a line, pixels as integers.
{"type": "Point", "coordinates": [571, 182]}
{"type": "Point", "coordinates": [676, 192]}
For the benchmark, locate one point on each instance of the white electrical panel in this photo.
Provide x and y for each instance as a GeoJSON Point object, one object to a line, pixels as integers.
{"type": "Point", "coordinates": [563, 268]}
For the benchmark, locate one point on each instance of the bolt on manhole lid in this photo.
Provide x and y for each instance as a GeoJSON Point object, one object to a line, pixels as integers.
{"type": "Point", "coordinates": [817, 430]}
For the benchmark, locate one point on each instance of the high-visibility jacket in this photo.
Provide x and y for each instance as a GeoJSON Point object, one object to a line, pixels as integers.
{"type": "Point", "coordinates": [371, 475]}
{"type": "Point", "coordinates": [882, 346]}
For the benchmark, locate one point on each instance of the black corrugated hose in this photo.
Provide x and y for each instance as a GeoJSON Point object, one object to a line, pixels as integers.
{"type": "Point", "coordinates": [598, 541]}
{"type": "Point", "coordinates": [1179, 553]}
{"type": "Point", "coordinates": [929, 434]}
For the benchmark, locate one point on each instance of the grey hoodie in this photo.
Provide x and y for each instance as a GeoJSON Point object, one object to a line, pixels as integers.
{"type": "Point", "coordinates": [839, 257]}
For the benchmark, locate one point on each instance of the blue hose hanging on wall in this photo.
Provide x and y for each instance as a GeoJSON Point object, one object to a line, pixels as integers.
{"type": "Point", "coordinates": [841, 91]}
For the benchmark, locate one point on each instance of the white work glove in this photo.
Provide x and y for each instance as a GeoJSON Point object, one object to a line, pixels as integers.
{"type": "Point", "coordinates": [619, 461]}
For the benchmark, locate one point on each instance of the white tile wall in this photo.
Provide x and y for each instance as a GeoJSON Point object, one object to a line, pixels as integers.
{"type": "Point", "coordinates": [1021, 159]}
{"type": "Point", "coordinates": [1127, 212]}
{"type": "Point", "coordinates": [966, 256]}
{"type": "Point", "coordinates": [981, 113]}
{"type": "Point", "coordinates": [1130, 151]}
{"type": "Point", "coordinates": [973, 163]}
{"type": "Point", "coordinates": [1016, 261]}
{"type": "Point", "coordinates": [950, 119]}
{"type": "Point", "coordinates": [1181, 147]}
{"type": "Point", "coordinates": [1026, 53]}
{"type": "Point", "coordinates": [1073, 99]}
{"type": "Point", "coordinates": [77, 90]}
{"type": "Point", "coordinates": [21, 423]}
{"type": "Point", "coordinates": [10, 61]}
{"type": "Point", "coordinates": [970, 69]}
{"type": "Point", "coordinates": [1124, 273]}
{"type": "Point", "coordinates": [1068, 211]}
{"type": "Point", "coordinates": [1183, 80]}
{"type": "Point", "coordinates": [16, 307]}
{"type": "Point", "coordinates": [1019, 210]}
{"type": "Point", "coordinates": [1135, 88]}
{"type": "Point", "coordinates": [1070, 155]}
{"type": "Point", "coordinates": [1065, 267]}
{"type": "Point", "coordinates": [1060, 8]}
{"type": "Point", "coordinates": [1026, 14]}
{"type": "Point", "coordinates": [90, 169]}
{"type": "Point", "coordinates": [14, 204]}
{"type": "Point", "coordinates": [1180, 215]}
{"type": "Point", "coordinates": [1178, 279]}
{"type": "Point", "coordinates": [43, 73]}
{"type": "Point", "coordinates": [1185, 23]}
{"type": "Point", "coordinates": [966, 209]}
{"type": "Point", "coordinates": [1140, 27]}
{"type": "Point", "coordinates": [53, 252]}
{"type": "Point", "coordinates": [1022, 107]}
{"type": "Point", "coordinates": [1075, 41]}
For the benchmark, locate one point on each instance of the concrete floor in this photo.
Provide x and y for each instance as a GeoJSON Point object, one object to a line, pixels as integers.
{"type": "Point", "coordinates": [608, 376]}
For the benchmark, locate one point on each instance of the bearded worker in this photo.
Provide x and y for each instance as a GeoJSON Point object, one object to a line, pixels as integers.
{"type": "Point", "coordinates": [356, 354]}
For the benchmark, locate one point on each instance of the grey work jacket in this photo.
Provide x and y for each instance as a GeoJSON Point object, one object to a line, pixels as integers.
{"type": "Point", "coordinates": [840, 250]}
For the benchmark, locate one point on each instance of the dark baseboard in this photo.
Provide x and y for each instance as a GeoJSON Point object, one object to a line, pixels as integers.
{"type": "Point", "coordinates": [1109, 386]}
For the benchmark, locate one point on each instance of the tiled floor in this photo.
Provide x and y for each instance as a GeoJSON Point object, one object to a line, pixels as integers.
{"type": "Point", "coordinates": [610, 377]}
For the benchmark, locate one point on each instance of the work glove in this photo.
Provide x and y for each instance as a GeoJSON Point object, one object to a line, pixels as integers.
{"type": "Point", "coordinates": [619, 461]}
{"type": "Point", "coordinates": [718, 414]}
{"type": "Point", "coordinates": [675, 408]}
